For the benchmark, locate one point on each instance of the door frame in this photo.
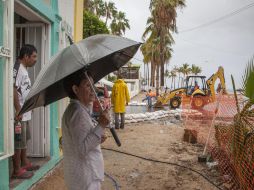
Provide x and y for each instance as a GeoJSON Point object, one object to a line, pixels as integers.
{"type": "Point", "coordinates": [45, 47]}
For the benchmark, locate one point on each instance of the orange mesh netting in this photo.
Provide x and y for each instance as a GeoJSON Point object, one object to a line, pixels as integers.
{"type": "Point", "coordinates": [231, 139]}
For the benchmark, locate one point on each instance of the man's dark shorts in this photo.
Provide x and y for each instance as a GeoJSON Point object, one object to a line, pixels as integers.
{"type": "Point", "coordinates": [25, 136]}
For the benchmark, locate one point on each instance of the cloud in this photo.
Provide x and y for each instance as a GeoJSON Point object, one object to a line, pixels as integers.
{"type": "Point", "coordinates": [228, 43]}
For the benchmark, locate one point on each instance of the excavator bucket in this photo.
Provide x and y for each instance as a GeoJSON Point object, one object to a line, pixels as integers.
{"type": "Point", "coordinates": [158, 104]}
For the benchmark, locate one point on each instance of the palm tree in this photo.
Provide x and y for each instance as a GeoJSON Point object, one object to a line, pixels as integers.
{"type": "Point", "coordinates": [173, 76]}
{"type": "Point", "coordinates": [167, 75]}
{"type": "Point", "coordinates": [164, 14]}
{"type": "Point", "coordinates": [119, 24]}
{"type": "Point", "coordinates": [186, 70]}
{"type": "Point", "coordinates": [111, 10]}
{"type": "Point", "coordinates": [153, 38]}
{"type": "Point", "coordinates": [178, 70]}
{"type": "Point", "coordinates": [97, 7]}
{"type": "Point", "coordinates": [149, 52]}
{"type": "Point", "coordinates": [165, 54]}
{"type": "Point", "coordinates": [195, 69]}
{"type": "Point", "coordinates": [243, 128]}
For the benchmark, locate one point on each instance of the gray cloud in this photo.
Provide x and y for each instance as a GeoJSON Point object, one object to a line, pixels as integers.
{"type": "Point", "coordinates": [228, 43]}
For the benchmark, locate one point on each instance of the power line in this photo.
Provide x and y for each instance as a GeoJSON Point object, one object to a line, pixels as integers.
{"type": "Point", "coordinates": [169, 163]}
{"type": "Point", "coordinates": [117, 186]}
{"type": "Point", "coordinates": [238, 11]}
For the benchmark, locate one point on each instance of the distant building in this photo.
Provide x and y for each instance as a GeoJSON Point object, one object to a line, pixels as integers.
{"type": "Point", "coordinates": [130, 72]}
{"type": "Point", "coordinates": [131, 75]}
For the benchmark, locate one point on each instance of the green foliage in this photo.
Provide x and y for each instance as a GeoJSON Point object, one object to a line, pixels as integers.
{"type": "Point", "coordinates": [92, 25]}
{"type": "Point", "coordinates": [108, 11]}
{"type": "Point", "coordinates": [112, 78]}
{"type": "Point", "coordinates": [119, 24]}
{"type": "Point", "coordinates": [186, 70]}
{"type": "Point", "coordinates": [195, 69]}
{"type": "Point", "coordinates": [248, 81]}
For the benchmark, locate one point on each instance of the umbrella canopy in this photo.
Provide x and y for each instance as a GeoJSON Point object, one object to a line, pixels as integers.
{"type": "Point", "coordinates": [99, 54]}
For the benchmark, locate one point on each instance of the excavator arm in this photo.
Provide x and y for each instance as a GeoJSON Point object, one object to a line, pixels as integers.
{"type": "Point", "coordinates": [211, 82]}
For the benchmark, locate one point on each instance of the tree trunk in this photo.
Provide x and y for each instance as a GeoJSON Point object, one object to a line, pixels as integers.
{"type": "Point", "coordinates": [85, 4]}
{"type": "Point", "coordinates": [179, 80]}
{"type": "Point", "coordinates": [162, 58]}
{"type": "Point", "coordinates": [153, 69]}
{"type": "Point", "coordinates": [144, 76]}
{"type": "Point", "coordinates": [165, 81]}
{"type": "Point", "coordinates": [152, 74]}
{"type": "Point", "coordinates": [106, 22]}
{"type": "Point", "coordinates": [157, 80]}
{"type": "Point", "coordinates": [148, 78]}
{"type": "Point", "coordinates": [183, 80]}
{"type": "Point", "coordinates": [162, 70]}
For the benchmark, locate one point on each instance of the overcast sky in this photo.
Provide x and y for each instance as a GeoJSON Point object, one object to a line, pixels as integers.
{"type": "Point", "coordinates": [228, 43]}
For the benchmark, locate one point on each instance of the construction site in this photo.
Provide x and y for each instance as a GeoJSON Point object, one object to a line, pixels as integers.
{"type": "Point", "coordinates": [204, 142]}
{"type": "Point", "coordinates": [113, 95]}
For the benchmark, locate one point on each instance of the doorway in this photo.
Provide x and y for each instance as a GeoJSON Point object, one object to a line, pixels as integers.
{"type": "Point", "coordinates": [31, 28]}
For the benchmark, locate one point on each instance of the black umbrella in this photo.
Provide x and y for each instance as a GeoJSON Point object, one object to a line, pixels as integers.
{"type": "Point", "coordinates": [99, 55]}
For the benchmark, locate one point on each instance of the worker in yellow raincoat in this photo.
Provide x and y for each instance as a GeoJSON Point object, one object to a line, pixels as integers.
{"type": "Point", "coordinates": [120, 98]}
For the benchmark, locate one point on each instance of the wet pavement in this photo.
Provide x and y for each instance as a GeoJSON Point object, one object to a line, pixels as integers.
{"type": "Point", "coordinates": [143, 109]}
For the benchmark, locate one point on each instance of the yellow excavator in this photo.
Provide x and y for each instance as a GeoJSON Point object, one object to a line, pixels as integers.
{"type": "Point", "coordinates": [197, 91]}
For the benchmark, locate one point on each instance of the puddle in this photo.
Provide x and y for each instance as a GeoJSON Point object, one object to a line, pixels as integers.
{"type": "Point", "coordinates": [143, 109]}
{"type": "Point", "coordinates": [167, 121]}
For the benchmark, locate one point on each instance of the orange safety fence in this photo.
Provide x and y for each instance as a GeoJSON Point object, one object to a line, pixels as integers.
{"type": "Point", "coordinates": [231, 139]}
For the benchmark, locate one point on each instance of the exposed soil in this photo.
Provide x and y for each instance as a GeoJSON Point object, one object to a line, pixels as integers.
{"type": "Point", "coordinates": [150, 140]}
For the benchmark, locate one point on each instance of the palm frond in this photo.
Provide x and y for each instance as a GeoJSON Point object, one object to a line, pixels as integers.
{"type": "Point", "coordinates": [248, 81]}
{"type": "Point", "coordinates": [236, 99]}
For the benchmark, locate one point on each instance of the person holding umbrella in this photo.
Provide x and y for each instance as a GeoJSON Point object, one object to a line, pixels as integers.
{"type": "Point", "coordinates": [82, 136]}
{"type": "Point", "coordinates": [98, 55]}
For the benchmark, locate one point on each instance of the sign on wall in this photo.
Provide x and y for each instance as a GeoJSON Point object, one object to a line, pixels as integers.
{"type": "Point", "coordinates": [66, 27]}
{"type": "Point", "coordinates": [5, 52]}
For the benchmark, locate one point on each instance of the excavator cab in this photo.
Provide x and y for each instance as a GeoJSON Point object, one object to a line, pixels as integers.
{"type": "Point", "coordinates": [194, 83]}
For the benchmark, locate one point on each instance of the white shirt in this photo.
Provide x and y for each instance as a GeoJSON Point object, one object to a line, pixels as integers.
{"type": "Point", "coordinates": [23, 84]}
{"type": "Point", "coordinates": [83, 160]}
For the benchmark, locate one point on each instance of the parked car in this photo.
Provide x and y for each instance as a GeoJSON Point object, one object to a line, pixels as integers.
{"type": "Point", "coordinates": [104, 98]}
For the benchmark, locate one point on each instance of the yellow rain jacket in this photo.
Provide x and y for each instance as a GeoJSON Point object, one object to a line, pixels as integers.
{"type": "Point", "coordinates": [120, 96]}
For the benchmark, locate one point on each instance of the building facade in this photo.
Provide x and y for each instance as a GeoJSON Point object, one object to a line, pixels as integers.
{"type": "Point", "coordinates": [49, 25]}
{"type": "Point", "coordinates": [131, 75]}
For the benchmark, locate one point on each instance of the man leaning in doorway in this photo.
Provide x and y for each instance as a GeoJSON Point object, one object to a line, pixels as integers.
{"type": "Point", "coordinates": [120, 98]}
{"type": "Point", "coordinates": [22, 84]}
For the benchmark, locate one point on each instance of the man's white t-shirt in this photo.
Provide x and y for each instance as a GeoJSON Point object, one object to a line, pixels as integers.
{"type": "Point", "coordinates": [23, 84]}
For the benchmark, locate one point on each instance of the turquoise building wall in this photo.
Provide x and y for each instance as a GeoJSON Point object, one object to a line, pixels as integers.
{"type": "Point", "coordinates": [52, 15]}
{"type": "Point", "coordinates": [4, 174]}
